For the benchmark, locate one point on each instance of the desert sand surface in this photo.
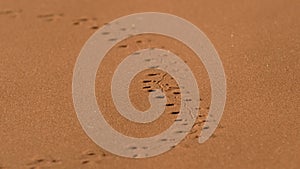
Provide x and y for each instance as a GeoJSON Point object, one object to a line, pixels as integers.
{"type": "Point", "coordinates": [258, 42]}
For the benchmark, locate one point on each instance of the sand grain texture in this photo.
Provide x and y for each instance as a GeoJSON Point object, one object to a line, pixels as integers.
{"type": "Point", "coordinates": [258, 43]}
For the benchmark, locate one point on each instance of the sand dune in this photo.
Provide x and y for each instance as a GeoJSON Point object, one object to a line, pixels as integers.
{"type": "Point", "coordinates": [258, 43]}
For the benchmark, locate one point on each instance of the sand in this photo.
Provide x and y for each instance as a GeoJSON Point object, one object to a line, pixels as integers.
{"type": "Point", "coordinates": [258, 43]}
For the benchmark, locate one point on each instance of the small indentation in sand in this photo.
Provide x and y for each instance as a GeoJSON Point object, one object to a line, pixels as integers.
{"type": "Point", "coordinates": [170, 104]}
{"type": "Point", "coordinates": [85, 161]}
{"type": "Point", "coordinates": [123, 46]}
{"type": "Point", "coordinates": [94, 27]}
{"type": "Point", "coordinates": [43, 162]}
{"type": "Point", "coordinates": [175, 112]}
{"type": "Point", "coordinates": [11, 13]}
{"type": "Point", "coordinates": [50, 17]}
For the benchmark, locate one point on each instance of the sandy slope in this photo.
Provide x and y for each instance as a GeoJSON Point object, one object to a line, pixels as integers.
{"type": "Point", "coordinates": [258, 42]}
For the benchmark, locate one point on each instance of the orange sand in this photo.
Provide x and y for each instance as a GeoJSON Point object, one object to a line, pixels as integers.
{"type": "Point", "coordinates": [258, 42]}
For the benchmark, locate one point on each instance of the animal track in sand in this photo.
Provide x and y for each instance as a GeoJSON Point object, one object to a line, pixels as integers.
{"type": "Point", "coordinates": [148, 82]}
{"type": "Point", "coordinates": [91, 23]}
{"type": "Point", "coordinates": [50, 17]}
{"type": "Point", "coordinates": [88, 157]}
{"type": "Point", "coordinates": [10, 12]}
{"type": "Point", "coordinates": [43, 162]}
{"type": "Point", "coordinates": [84, 158]}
